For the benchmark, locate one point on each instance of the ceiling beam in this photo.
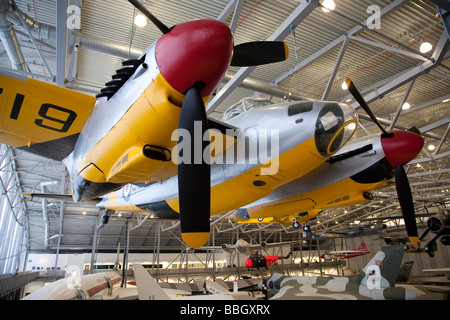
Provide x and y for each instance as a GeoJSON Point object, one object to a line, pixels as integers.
{"type": "Point", "coordinates": [61, 41]}
{"type": "Point", "coordinates": [338, 41]}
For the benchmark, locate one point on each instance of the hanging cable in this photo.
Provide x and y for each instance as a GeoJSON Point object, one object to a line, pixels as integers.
{"type": "Point", "coordinates": [297, 61]}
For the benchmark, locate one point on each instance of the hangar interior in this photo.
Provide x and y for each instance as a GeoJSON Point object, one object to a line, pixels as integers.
{"type": "Point", "coordinates": [377, 43]}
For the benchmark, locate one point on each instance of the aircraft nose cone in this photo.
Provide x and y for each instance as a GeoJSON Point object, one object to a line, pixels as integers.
{"type": "Point", "coordinates": [193, 51]}
{"type": "Point", "coordinates": [402, 147]}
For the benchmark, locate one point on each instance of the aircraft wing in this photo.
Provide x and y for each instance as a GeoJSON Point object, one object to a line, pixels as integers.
{"type": "Point", "coordinates": [273, 244]}
{"type": "Point", "coordinates": [41, 117]}
{"type": "Point", "coordinates": [228, 247]}
{"type": "Point", "coordinates": [398, 216]}
{"type": "Point", "coordinates": [147, 287]}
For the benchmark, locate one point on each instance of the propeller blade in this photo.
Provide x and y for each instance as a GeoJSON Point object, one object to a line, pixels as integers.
{"type": "Point", "coordinates": [430, 245]}
{"type": "Point", "coordinates": [424, 234]}
{"type": "Point", "coordinates": [161, 26]}
{"type": "Point", "coordinates": [194, 182]}
{"type": "Point", "coordinates": [406, 203]}
{"type": "Point", "coordinates": [258, 53]}
{"type": "Point", "coordinates": [359, 98]}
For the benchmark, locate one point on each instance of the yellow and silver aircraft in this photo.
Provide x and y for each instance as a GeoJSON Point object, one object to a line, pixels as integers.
{"type": "Point", "coordinates": [345, 179]}
{"type": "Point", "coordinates": [309, 133]}
{"type": "Point", "coordinates": [126, 135]}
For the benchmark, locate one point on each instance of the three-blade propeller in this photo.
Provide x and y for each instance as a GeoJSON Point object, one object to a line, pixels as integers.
{"type": "Point", "coordinates": [401, 180]}
{"type": "Point", "coordinates": [194, 185]}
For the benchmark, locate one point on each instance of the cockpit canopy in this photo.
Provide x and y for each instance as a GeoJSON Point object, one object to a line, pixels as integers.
{"type": "Point", "coordinates": [243, 106]}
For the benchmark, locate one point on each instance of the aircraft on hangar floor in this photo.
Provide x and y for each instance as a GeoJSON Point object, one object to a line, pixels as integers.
{"type": "Point", "coordinates": [127, 134]}
{"type": "Point", "coordinates": [97, 286]}
{"type": "Point", "coordinates": [376, 281]}
{"type": "Point", "coordinates": [149, 289]}
{"type": "Point", "coordinates": [345, 179]}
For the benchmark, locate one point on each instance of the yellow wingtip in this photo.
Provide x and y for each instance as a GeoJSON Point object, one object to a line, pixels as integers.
{"type": "Point", "coordinates": [414, 240]}
{"type": "Point", "coordinates": [348, 81]}
{"type": "Point", "coordinates": [196, 239]}
{"type": "Point", "coordinates": [286, 50]}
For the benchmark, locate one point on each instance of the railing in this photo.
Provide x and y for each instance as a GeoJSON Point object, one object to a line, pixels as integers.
{"type": "Point", "coordinates": [10, 283]}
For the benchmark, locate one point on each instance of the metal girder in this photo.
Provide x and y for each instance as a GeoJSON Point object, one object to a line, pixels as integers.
{"type": "Point", "coordinates": [237, 13]}
{"type": "Point", "coordinates": [61, 41]}
{"type": "Point", "coordinates": [399, 109]}
{"type": "Point", "coordinates": [335, 70]}
{"type": "Point", "coordinates": [296, 17]}
{"type": "Point", "coordinates": [427, 104]}
{"type": "Point", "coordinates": [335, 43]}
{"type": "Point", "coordinates": [389, 48]}
{"type": "Point", "coordinates": [435, 125]}
{"type": "Point", "coordinates": [411, 74]}
{"type": "Point", "coordinates": [443, 7]}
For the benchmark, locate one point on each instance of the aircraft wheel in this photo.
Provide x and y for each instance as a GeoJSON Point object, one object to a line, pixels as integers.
{"type": "Point", "coordinates": [296, 225]}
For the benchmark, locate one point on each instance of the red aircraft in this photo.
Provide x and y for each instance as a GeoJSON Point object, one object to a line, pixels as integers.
{"type": "Point", "coordinates": [256, 260]}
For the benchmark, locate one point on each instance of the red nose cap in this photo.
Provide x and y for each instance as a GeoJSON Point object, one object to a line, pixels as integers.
{"type": "Point", "coordinates": [198, 50]}
{"type": "Point", "coordinates": [402, 147]}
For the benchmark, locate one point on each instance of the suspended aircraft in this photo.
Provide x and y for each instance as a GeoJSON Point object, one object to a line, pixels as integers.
{"type": "Point", "coordinates": [440, 226]}
{"type": "Point", "coordinates": [376, 281]}
{"type": "Point", "coordinates": [246, 248]}
{"type": "Point", "coordinates": [256, 260]}
{"type": "Point", "coordinates": [345, 179]}
{"type": "Point", "coordinates": [346, 254]}
{"type": "Point", "coordinates": [132, 131]}
{"type": "Point", "coordinates": [308, 132]}
{"type": "Point", "coordinates": [360, 230]}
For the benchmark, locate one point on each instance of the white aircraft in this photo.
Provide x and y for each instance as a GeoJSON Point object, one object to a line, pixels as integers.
{"type": "Point", "coordinates": [246, 248]}
{"type": "Point", "coordinates": [345, 254]}
{"type": "Point", "coordinates": [98, 286]}
{"type": "Point", "coordinates": [105, 285]}
{"type": "Point", "coordinates": [149, 289]}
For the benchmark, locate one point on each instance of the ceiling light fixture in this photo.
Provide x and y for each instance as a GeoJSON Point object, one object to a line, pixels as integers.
{"type": "Point", "coordinates": [406, 106]}
{"type": "Point", "coordinates": [425, 47]}
{"type": "Point", "coordinates": [328, 5]}
{"type": "Point", "coordinates": [140, 21]}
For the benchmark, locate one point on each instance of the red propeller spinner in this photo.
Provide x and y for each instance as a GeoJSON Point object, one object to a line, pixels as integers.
{"type": "Point", "coordinates": [194, 51]}
{"type": "Point", "coordinates": [401, 147]}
